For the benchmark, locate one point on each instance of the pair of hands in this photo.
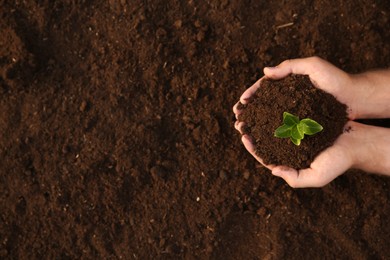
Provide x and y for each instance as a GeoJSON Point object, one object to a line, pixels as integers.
{"type": "Point", "coordinates": [347, 150]}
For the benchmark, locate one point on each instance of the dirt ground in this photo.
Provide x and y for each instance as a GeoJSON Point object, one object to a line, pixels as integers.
{"type": "Point", "coordinates": [117, 137]}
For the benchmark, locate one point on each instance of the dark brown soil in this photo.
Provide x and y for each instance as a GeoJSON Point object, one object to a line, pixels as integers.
{"type": "Point", "coordinates": [117, 137]}
{"type": "Point", "coordinates": [297, 95]}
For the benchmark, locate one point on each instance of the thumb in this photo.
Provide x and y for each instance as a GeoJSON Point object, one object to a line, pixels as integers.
{"type": "Point", "coordinates": [300, 179]}
{"type": "Point", "coordinates": [304, 66]}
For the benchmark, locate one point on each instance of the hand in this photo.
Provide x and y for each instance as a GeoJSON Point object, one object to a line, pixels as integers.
{"type": "Point", "coordinates": [334, 160]}
{"type": "Point", "coordinates": [322, 74]}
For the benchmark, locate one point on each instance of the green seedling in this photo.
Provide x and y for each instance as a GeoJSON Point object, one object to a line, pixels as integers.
{"type": "Point", "coordinates": [296, 130]}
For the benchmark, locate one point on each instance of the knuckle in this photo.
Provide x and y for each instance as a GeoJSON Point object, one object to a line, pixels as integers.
{"type": "Point", "coordinates": [286, 62]}
{"type": "Point", "coordinates": [315, 59]}
{"type": "Point", "coordinates": [321, 184]}
{"type": "Point", "coordinates": [292, 183]}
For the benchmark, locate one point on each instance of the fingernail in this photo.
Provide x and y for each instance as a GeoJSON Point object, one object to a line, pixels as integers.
{"type": "Point", "coordinates": [270, 68]}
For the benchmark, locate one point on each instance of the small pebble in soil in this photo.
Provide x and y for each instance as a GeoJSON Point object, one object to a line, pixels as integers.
{"type": "Point", "coordinates": [172, 249]}
{"type": "Point", "coordinates": [223, 174]}
{"type": "Point", "coordinates": [261, 212]}
{"type": "Point", "coordinates": [200, 36]}
{"type": "Point", "coordinates": [83, 106]}
{"type": "Point", "coordinates": [179, 100]}
{"type": "Point", "coordinates": [198, 24]}
{"type": "Point", "coordinates": [178, 24]}
{"type": "Point", "coordinates": [158, 173]}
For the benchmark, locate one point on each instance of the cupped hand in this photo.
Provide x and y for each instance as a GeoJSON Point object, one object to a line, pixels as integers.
{"type": "Point", "coordinates": [334, 160]}
{"type": "Point", "coordinates": [322, 74]}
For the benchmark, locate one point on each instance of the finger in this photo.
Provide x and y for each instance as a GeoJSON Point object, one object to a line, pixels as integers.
{"type": "Point", "coordinates": [290, 175]}
{"type": "Point", "coordinates": [247, 95]}
{"type": "Point", "coordinates": [239, 126]}
{"type": "Point", "coordinates": [250, 147]}
{"type": "Point", "coordinates": [326, 167]}
{"type": "Point", "coordinates": [304, 66]}
{"type": "Point", "coordinates": [237, 111]}
{"type": "Point", "coordinates": [300, 179]}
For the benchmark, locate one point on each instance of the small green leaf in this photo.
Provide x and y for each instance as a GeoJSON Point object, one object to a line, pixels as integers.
{"type": "Point", "coordinates": [309, 126]}
{"type": "Point", "coordinates": [283, 131]}
{"type": "Point", "coordinates": [290, 119]}
{"type": "Point", "coordinates": [295, 141]}
{"type": "Point", "coordinates": [296, 129]}
{"type": "Point", "coordinates": [301, 127]}
{"type": "Point", "coordinates": [296, 134]}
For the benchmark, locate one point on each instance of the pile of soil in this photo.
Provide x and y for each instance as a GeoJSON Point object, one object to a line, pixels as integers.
{"type": "Point", "coordinates": [297, 95]}
{"type": "Point", "coordinates": [117, 137]}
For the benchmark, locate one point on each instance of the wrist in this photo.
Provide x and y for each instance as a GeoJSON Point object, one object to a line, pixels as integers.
{"type": "Point", "coordinates": [361, 90]}
{"type": "Point", "coordinates": [370, 94]}
{"type": "Point", "coordinates": [371, 148]}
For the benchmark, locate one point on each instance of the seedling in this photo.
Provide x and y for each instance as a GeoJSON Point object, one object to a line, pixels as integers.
{"type": "Point", "coordinates": [296, 130]}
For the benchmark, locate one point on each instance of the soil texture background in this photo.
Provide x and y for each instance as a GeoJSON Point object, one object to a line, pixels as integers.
{"type": "Point", "coordinates": [117, 137]}
{"type": "Point", "coordinates": [297, 95]}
